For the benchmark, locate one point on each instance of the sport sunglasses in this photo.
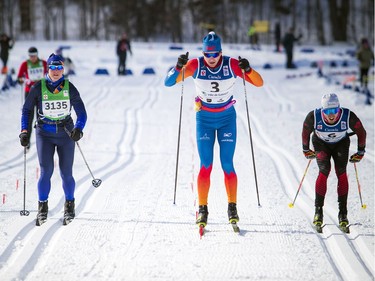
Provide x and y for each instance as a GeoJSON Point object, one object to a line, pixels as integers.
{"type": "Point", "coordinates": [329, 111]}
{"type": "Point", "coordinates": [56, 67]}
{"type": "Point", "coordinates": [211, 55]}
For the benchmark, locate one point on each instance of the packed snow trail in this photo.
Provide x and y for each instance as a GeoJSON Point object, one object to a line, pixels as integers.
{"type": "Point", "coordinates": [129, 228]}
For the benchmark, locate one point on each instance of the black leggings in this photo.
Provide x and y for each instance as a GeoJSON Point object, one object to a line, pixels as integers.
{"type": "Point", "coordinates": [338, 151]}
{"type": "Point", "coordinates": [363, 76]}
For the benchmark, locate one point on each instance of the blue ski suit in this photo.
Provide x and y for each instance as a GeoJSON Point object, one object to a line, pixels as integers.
{"type": "Point", "coordinates": [51, 134]}
{"type": "Point", "coordinates": [215, 116]}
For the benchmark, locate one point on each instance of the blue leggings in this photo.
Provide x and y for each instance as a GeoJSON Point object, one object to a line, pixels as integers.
{"type": "Point", "coordinates": [46, 144]}
{"type": "Point", "coordinates": [220, 124]}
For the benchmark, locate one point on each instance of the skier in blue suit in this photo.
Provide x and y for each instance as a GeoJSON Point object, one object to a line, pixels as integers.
{"type": "Point", "coordinates": [214, 77]}
{"type": "Point", "coordinates": [54, 96]}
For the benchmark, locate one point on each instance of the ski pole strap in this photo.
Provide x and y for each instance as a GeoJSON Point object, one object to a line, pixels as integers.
{"type": "Point", "coordinates": [218, 109]}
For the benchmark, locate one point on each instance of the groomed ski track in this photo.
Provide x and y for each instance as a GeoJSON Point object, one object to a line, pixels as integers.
{"type": "Point", "coordinates": [129, 228]}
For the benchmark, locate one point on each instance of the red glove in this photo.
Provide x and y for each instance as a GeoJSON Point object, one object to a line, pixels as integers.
{"type": "Point", "coordinates": [309, 154]}
{"type": "Point", "coordinates": [356, 157]}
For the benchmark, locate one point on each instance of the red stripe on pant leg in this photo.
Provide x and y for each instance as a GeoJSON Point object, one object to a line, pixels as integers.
{"type": "Point", "coordinates": [231, 186]}
{"type": "Point", "coordinates": [343, 185]}
{"type": "Point", "coordinates": [204, 184]}
{"type": "Point", "coordinates": [321, 184]}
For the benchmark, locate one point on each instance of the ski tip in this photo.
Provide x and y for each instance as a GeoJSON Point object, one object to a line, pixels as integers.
{"type": "Point", "coordinates": [201, 230]}
{"type": "Point", "coordinates": [236, 229]}
{"type": "Point", "coordinates": [39, 222]}
{"type": "Point", "coordinates": [66, 222]}
{"type": "Point", "coordinates": [319, 227]}
{"type": "Point", "coordinates": [344, 227]}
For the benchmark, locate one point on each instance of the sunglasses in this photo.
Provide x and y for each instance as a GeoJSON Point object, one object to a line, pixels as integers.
{"type": "Point", "coordinates": [211, 55]}
{"type": "Point", "coordinates": [329, 111]}
{"type": "Point", "coordinates": [56, 67]}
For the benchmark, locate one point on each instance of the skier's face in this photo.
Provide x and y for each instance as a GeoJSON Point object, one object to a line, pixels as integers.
{"type": "Point", "coordinates": [55, 72]}
{"type": "Point", "coordinates": [331, 114]}
{"type": "Point", "coordinates": [33, 58]}
{"type": "Point", "coordinates": [332, 118]}
{"type": "Point", "coordinates": [212, 58]}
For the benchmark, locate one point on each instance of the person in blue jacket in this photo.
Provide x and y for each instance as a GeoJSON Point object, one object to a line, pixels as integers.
{"type": "Point", "coordinates": [214, 77]}
{"type": "Point", "coordinates": [54, 96]}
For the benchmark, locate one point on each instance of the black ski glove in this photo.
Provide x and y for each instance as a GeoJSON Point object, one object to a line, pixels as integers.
{"type": "Point", "coordinates": [24, 139]}
{"type": "Point", "coordinates": [356, 157]}
{"type": "Point", "coordinates": [244, 64]}
{"type": "Point", "coordinates": [182, 60]}
{"type": "Point", "coordinates": [309, 154]}
{"type": "Point", "coordinates": [76, 134]}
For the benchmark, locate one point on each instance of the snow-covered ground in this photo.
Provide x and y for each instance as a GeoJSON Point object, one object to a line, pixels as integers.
{"type": "Point", "coordinates": [129, 228]}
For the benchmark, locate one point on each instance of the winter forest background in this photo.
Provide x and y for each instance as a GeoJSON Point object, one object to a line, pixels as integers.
{"type": "Point", "coordinates": [320, 21]}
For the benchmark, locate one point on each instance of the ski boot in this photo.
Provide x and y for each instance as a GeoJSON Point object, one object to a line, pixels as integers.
{"type": "Point", "coordinates": [232, 213]}
{"type": "Point", "coordinates": [202, 215]}
{"type": "Point", "coordinates": [4, 70]}
{"type": "Point", "coordinates": [69, 212]}
{"type": "Point", "coordinates": [343, 222]}
{"type": "Point", "coordinates": [343, 212]}
{"type": "Point", "coordinates": [41, 217]}
{"type": "Point", "coordinates": [318, 219]}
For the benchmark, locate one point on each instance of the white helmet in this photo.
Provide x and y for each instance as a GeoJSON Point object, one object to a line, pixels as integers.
{"type": "Point", "coordinates": [330, 101]}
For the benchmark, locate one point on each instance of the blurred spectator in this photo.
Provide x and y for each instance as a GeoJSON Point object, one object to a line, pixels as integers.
{"type": "Point", "coordinates": [253, 35]}
{"type": "Point", "coordinates": [365, 56]}
{"type": "Point", "coordinates": [6, 43]}
{"type": "Point", "coordinates": [68, 63]}
{"type": "Point", "coordinates": [9, 81]}
{"type": "Point", "coordinates": [30, 72]}
{"type": "Point", "coordinates": [288, 43]}
{"type": "Point", "coordinates": [123, 47]}
{"type": "Point", "coordinates": [277, 36]}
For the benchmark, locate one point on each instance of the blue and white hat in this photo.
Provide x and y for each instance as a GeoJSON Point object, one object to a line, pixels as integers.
{"type": "Point", "coordinates": [55, 60]}
{"type": "Point", "coordinates": [330, 101]}
{"type": "Point", "coordinates": [211, 43]}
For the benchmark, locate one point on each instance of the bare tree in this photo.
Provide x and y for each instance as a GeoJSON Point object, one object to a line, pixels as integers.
{"type": "Point", "coordinates": [63, 19]}
{"type": "Point", "coordinates": [182, 20]}
{"type": "Point", "coordinates": [319, 22]}
{"type": "Point", "coordinates": [338, 18]}
{"type": "Point", "coordinates": [25, 13]}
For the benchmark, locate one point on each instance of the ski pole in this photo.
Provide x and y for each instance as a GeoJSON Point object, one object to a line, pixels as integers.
{"type": "Point", "coordinates": [179, 133]}
{"type": "Point", "coordinates": [95, 182]}
{"type": "Point", "coordinates": [24, 212]}
{"type": "Point", "coordinates": [22, 96]}
{"type": "Point", "coordinates": [251, 139]}
{"type": "Point", "coordinates": [291, 205]}
{"type": "Point", "coordinates": [364, 206]}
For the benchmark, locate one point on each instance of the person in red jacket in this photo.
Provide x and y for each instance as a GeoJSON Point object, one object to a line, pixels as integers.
{"type": "Point", "coordinates": [329, 125]}
{"type": "Point", "coordinates": [30, 72]}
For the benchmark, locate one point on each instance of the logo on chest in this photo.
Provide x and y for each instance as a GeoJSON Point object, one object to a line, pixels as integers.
{"type": "Point", "coordinates": [226, 70]}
